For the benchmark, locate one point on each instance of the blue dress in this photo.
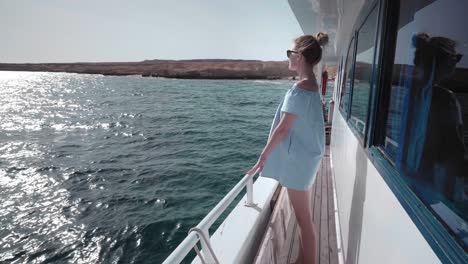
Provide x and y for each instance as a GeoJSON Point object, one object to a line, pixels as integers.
{"type": "Point", "coordinates": [294, 162]}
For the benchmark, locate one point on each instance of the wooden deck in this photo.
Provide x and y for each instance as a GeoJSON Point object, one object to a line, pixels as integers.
{"type": "Point", "coordinates": [281, 242]}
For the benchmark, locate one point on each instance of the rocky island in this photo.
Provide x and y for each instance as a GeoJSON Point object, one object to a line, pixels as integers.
{"type": "Point", "coordinates": [183, 69]}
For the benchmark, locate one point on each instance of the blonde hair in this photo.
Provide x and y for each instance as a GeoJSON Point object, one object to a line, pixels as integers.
{"type": "Point", "coordinates": [311, 47]}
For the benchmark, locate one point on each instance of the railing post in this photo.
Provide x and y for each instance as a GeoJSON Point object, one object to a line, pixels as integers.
{"type": "Point", "coordinates": [249, 186]}
{"type": "Point", "coordinates": [207, 251]}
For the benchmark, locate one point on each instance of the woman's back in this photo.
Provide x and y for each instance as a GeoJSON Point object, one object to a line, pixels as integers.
{"type": "Point", "coordinates": [308, 132]}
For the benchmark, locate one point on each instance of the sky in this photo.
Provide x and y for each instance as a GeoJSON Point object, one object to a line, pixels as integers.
{"type": "Point", "coordinates": [38, 31]}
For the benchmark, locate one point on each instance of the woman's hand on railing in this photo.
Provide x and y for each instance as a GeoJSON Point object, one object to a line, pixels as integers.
{"type": "Point", "coordinates": [257, 167]}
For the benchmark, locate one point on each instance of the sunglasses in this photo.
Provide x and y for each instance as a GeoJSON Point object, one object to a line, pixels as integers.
{"type": "Point", "coordinates": [288, 52]}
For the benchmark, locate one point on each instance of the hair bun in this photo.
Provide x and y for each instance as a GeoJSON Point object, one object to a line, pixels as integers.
{"type": "Point", "coordinates": [420, 40]}
{"type": "Point", "coordinates": [322, 38]}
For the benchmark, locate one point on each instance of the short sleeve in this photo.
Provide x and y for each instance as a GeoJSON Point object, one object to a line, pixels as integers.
{"type": "Point", "coordinates": [292, 103]}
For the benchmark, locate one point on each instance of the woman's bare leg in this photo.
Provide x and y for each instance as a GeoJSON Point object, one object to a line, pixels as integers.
{"type": "Point", "coordinates": [300, 256]}
{"type": "Point", "coordinates": [302, 206]}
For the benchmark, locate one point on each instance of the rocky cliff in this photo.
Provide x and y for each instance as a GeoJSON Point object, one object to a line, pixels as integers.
{"type": "Point", "coordinates": [188, 69]}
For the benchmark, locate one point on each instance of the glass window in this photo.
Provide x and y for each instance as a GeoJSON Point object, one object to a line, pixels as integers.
{"type": "Point", "coordinates": [426, 130]}
{"type": "Point", "coordinates": [346, 81]}
{"type": "Point", "coordinates": [363, 72]}
{"type": "Point", "coordinates": [338, 79]}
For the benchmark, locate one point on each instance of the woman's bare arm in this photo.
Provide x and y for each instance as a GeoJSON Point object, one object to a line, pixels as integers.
{"type": "Point", "coordinates": [279, 133]}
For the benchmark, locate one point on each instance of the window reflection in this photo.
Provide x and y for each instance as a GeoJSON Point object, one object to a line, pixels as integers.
{"type": "Point", "coordinates": [426, 128]}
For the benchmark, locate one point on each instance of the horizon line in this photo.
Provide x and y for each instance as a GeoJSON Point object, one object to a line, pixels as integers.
{"type": "Point", "coordinates": [146, 60]}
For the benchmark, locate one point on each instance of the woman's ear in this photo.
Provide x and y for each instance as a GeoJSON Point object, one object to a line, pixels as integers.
{"type": "Point", "coordinates": [300, 57]}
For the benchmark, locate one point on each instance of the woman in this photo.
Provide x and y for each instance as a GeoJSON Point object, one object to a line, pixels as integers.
{"type": "Point", "coordinates": [296, 143]}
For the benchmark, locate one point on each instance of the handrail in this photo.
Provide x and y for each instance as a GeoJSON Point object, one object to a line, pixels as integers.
{"type": "Point", "coordinates": [388, 140]}
{"type": "Point", "coordinates": [191, 240]}
{"type": "Point", "coordinates": [358, 122]}
{"type": "Point", "coordinates": [201, 234]}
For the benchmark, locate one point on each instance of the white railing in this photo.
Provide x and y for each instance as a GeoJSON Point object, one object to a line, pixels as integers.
{"type": "Point", "coordinates": [389, 141]}
{"type": "Point", "coordinates": [200, 232]}
{"type": "Point", "coordinates": [358, 123]}
{"type": "Point", "coordinates": [361, 125]}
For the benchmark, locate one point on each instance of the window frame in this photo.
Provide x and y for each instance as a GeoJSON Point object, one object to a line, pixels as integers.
{"type": "Point", "coordinates": [352, 44]}
{"type": "Point", "coordinates": [376, 5]}
{"type": "Point", "coordinates": [338, 81]}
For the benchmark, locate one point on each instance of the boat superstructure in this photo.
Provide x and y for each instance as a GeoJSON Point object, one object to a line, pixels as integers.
{"type": "Point", "coordinates": [393, 186]}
